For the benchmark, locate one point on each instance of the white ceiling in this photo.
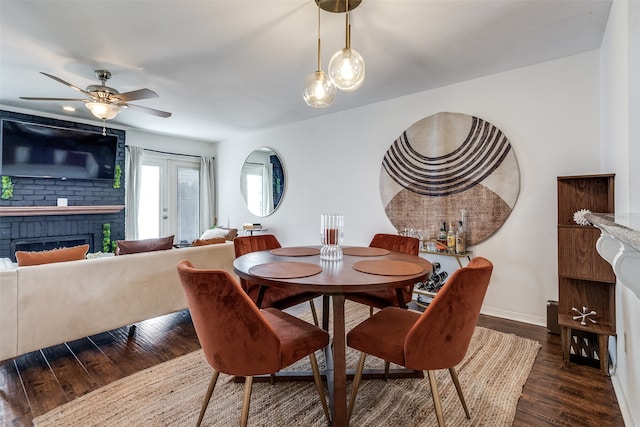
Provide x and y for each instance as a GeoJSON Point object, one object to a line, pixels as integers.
{"type": "Point", "coordinates": [224, 68]}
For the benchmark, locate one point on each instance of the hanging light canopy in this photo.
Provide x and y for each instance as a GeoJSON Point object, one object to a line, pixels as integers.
{"type": "Point", "coordinates": [346, 67]}
{"type": "Point", "coordinates": [319, 91]}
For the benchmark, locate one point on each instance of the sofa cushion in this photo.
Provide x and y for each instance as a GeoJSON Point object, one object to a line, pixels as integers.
{"type": "Point", "coordinates": [56, 255]}
{"type": "Point", "coordinates": [202, 242]}
{"type": "Point", "coordinates": [126, 247]}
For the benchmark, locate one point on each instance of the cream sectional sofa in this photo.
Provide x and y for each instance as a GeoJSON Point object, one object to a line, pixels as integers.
{"type": "Point", "coordinates": [50, 304]}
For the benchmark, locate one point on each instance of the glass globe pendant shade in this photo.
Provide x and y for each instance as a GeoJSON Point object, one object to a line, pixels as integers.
{"type": "Point", "coordinates": [319, 91]}
{"type": "Point", "coordinates": [346, 69]}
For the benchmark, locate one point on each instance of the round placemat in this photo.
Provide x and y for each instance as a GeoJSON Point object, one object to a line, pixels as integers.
{"type": "Point", "coordinates": [388, 267]}
{"type": "Point", "coordinates": [296, 251]}
{"type": "Point", "coordinates": [365, 251]}
{"type": "Point", "coordinates": [285, 270]}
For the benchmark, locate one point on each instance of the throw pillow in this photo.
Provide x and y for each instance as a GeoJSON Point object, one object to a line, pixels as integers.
{"type": "Point", "coordinates": [203, 242]}
{"type": "Point", "coordinates": [214, 233]}
{"type": "Point", "coordinates": [231, 233]}
{"type": "Point", "coordinates": [126, 247]}
{"type": "Point", "coordinates": [56, 255]}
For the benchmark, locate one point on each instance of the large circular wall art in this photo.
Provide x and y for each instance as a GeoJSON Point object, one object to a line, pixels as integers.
{"type": "Point", "coordinates": [443, 164]}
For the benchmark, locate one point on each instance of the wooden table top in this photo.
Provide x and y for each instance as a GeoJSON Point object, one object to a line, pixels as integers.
{"type": "Point", "coordinates": [336, 276]}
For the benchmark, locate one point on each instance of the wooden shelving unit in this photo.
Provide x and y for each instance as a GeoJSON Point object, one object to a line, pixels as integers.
{"type": "Point", "coordinates": [585, 280]}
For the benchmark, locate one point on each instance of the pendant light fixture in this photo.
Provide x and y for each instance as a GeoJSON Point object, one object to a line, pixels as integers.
{"type": "Point", "coordinates": [319, 91]}
{"type": "Point", "coordinates": [346, 67]}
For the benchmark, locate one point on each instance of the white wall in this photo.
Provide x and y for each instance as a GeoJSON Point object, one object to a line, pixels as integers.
{"type": "Point", "coordinates": [550, 113]}
{"type": "Point", "coordinates": [620, 67]}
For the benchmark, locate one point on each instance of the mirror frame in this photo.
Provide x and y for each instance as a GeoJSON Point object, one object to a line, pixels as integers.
{"type": "Point", "coordinates": [268, 151]}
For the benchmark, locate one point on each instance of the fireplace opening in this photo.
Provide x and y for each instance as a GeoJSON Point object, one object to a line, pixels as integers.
{"type": "Point", "coordinates": [47, 243]}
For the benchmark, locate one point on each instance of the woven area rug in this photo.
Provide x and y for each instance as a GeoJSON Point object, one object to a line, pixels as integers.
{"type": "Point", "coordinates": [170, 394]}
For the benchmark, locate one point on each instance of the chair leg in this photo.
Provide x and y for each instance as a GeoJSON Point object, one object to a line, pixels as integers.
{"type": "Point", "coordinates": [318, 380]}
{"type": "Point", "coordinates": [356, 384]}
{"type": "Point", "coordinates": [454, 377]}
{"type": "Point", "coordinates": [386, 369]}
{"type": "Point", "coordinates": [248, 382]}
{"type": "Point", "coordinates": [370, 310]}
{"type": "Point", "coordinates": [313, 313]}
{"type": "Point", "coordinates": [207, 398]}
{"type": "Point", "coordinates": [436, 398]}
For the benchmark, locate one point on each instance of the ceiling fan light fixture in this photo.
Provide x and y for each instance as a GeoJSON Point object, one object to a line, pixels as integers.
{"type": "Point", "coordinates": [103, 110]}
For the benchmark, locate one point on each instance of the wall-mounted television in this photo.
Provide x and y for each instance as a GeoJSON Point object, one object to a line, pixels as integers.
{"type": "Point", "coordinates": [35, 150]}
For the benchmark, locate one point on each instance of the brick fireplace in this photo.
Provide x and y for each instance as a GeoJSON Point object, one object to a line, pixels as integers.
{"type": "Point", "coordinates": [31, 216]}
{"type": "Point", "coordinates": [54, 231]}
{"type": "Point", "coordinates": [48, 243]}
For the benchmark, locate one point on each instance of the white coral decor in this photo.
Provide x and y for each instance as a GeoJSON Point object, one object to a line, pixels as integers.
{"type": "Point", "coordinates": [578, 217]}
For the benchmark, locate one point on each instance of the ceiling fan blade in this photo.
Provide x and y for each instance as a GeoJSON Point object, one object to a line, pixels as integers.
{"type": "Point", "coordinates": [34, 98]}
{"type": "Point", "coordinates": [135, 95]}
{"type": "Point", "coordinates": [153, 111]}
{"type": "Point", "coordinates": [59, 80]}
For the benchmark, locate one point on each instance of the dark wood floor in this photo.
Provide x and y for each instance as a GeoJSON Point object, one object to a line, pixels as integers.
{"type": "Point", "coordinates": [35, 383]}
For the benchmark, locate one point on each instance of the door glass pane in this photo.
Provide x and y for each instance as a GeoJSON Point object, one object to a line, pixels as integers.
{"type": "Point", "coordinates": [188, 206]}
{"type": "Point", "coordinates": [149, 210]}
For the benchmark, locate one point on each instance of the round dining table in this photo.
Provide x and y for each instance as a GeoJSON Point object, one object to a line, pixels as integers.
{"type": "Point", "coordinates": [361, 269]}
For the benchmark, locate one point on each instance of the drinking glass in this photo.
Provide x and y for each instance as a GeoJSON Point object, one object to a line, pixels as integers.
{"type": "Point", "coordinates": [331, 233]}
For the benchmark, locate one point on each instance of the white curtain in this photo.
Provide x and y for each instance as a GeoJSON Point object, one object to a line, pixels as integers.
{"type": "Point", "coordinates": [132, 190]}
{"type": "Point", "coordinates": [207, 193]}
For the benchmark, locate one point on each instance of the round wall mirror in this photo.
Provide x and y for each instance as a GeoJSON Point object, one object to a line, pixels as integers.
{"type": "Point", "coordinates": [262, 181]}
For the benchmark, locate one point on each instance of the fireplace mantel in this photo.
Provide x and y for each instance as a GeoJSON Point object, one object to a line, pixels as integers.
{"type": "Point", "coordinates": [619, 244]}
{"type": "Point", "coordinates": [58, 210]}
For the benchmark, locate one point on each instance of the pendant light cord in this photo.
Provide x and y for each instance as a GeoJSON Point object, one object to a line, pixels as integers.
{"type": "Point", "coordinates": [319, 63]}
{"type": "Point", "coordinates": [348, 29]}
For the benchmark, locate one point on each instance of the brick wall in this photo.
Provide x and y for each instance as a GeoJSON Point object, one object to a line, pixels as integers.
{"type": "Point", "coordinates": [46, 191]}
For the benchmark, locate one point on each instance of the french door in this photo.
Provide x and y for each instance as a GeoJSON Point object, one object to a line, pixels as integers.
{"type": "Point", "coordinates": [169, 199]}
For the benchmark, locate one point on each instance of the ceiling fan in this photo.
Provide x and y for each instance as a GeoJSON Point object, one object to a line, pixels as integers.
{"type": "Point", "coordinates": [105, 102]}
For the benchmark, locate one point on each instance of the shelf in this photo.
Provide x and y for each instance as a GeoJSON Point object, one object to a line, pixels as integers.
{"type": "Point", "coordinates": [584, 278]}
{"type": "Point", "coordinates": [59, 210]}
{"type": "Point", "coordinates": [567, 320]}
{"type": "Point", "coordinates": [425, 293]}
{"type": "Point", "coordinates": [464, 255]}
{"type": "Point", "coordinates": [422, 303]}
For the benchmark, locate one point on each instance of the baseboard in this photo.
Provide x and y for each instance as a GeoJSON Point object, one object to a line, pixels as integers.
{"type": "Point", "coordinates": [622, 401]}
{"type": "Point", "coordinates": [512, 315]}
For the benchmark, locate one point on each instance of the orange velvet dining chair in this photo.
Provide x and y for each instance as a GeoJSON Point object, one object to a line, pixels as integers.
{"type": "Point", "coordinates": [389, 297]}
{"type": "Point", "coordinates": [436, 339]}
{"type": "Point", "coordinates": [265, 296]}
{"type": "Point", "coordinates": [239, 339]}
